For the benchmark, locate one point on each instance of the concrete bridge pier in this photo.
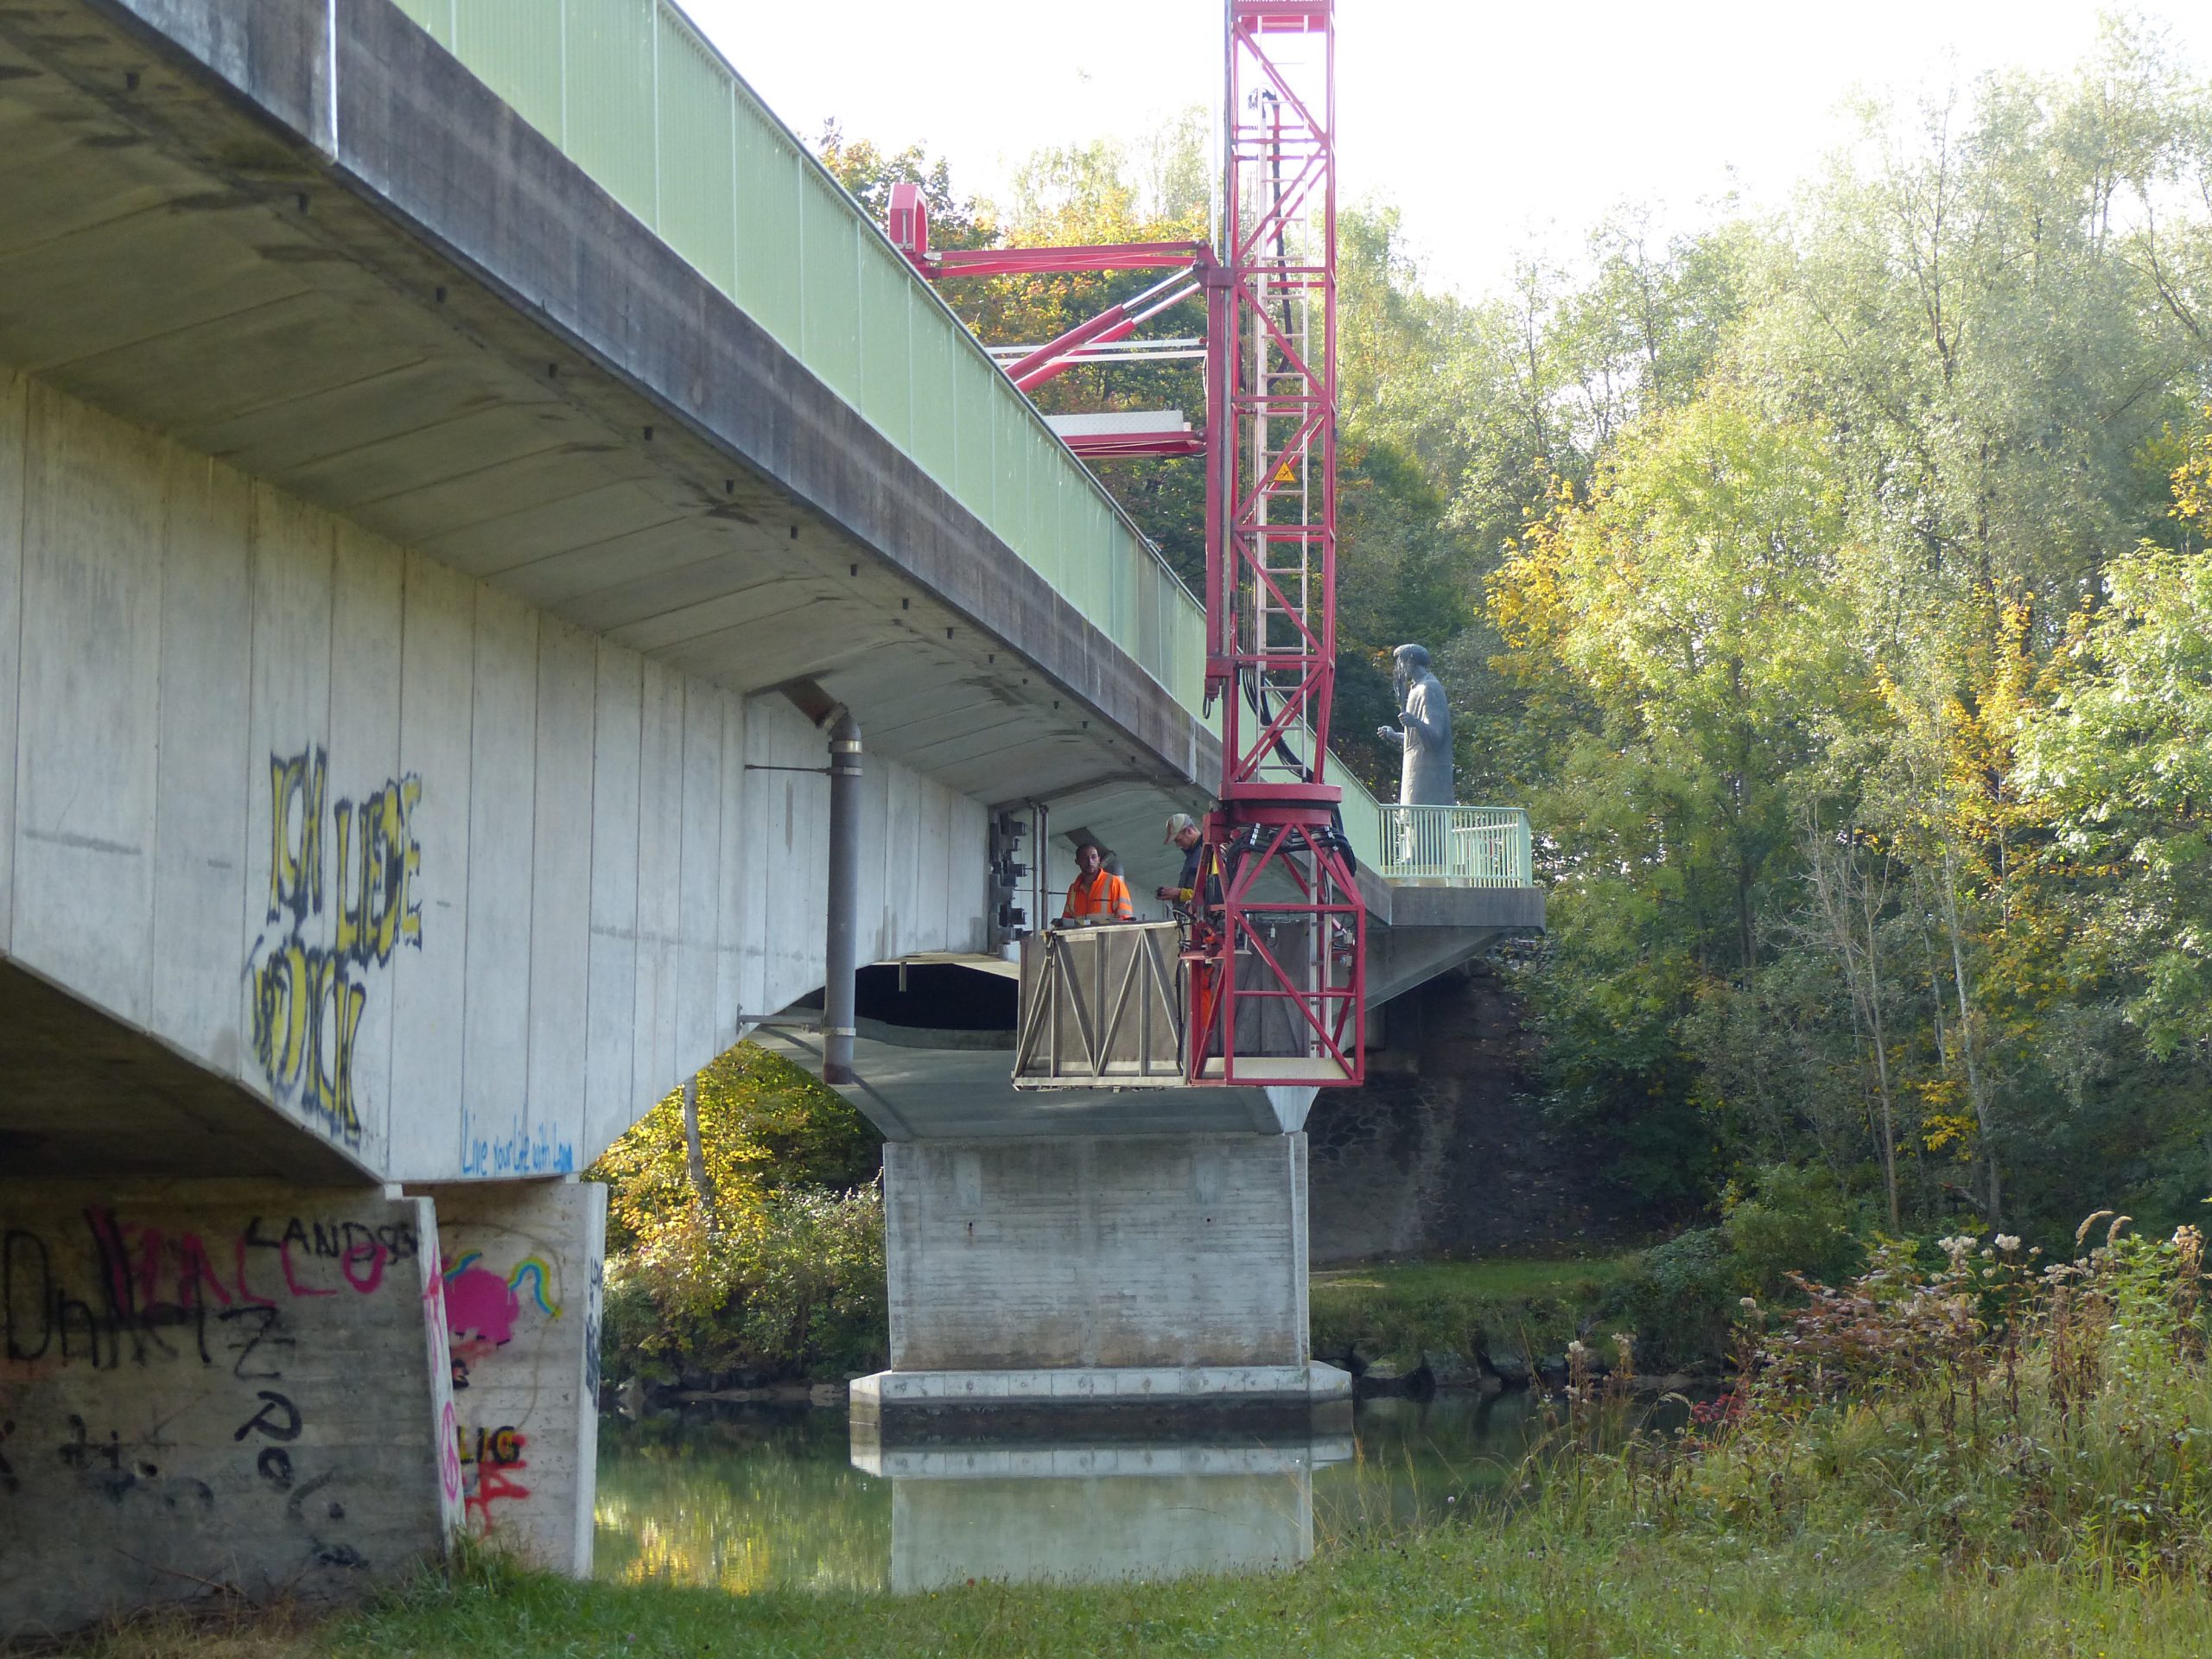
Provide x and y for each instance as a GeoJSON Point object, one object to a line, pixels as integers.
{"type": "Point", "coordinates": [1054, 1257]}
{"type": "Point", "coordinates": [1163, 1274]}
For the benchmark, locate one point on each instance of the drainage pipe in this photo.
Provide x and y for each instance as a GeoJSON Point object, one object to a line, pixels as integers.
{"type": "Point", "coordinates": [841, 964]}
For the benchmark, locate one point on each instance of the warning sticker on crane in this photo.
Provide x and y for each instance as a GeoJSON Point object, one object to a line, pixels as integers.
{"type": "Point", "coordinates": [1285, 474]}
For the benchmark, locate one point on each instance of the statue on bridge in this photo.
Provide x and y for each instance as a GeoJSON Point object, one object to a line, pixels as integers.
{"type": "Point", "coordinates": [1423, 733]}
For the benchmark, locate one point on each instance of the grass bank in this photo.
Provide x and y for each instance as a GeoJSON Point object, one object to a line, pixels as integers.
{"type": "Point", "coordinates": [1406, 1312]}
{"type": "Point", "coordinates": [1533, 1588]}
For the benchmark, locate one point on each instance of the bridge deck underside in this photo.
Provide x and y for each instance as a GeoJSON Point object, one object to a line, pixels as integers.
{"type": "Point", "coordinates": [87, 1095]}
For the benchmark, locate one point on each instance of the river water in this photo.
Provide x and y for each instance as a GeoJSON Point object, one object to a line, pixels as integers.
{"type": "Point", "coordinates": [757, 1498]}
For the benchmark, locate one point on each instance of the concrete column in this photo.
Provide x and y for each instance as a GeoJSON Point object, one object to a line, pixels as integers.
{"type": "Point", "coordinates": [523, 1263]}
{"type": "Point", "coordinates": [1151, 1271]}
{"type": "Point", "coordinates": [216, 1386]}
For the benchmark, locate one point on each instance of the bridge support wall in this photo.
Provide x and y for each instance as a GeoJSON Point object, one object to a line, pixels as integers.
{"type": "Point", "coordinates": [523, 1264]}
{"type": "Point", "coordinates": [216, 1386]}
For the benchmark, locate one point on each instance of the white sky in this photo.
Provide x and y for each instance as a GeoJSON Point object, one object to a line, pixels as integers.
{"type": "Point", "coordinates": [1493, 127]}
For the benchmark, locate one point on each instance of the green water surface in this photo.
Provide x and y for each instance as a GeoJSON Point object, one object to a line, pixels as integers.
{"type": "Point", "coordinates": [755, 1499]}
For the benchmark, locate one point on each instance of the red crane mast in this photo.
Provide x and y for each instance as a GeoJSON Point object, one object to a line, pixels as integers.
{"type": "Point", "coordinates": [1276, 967]}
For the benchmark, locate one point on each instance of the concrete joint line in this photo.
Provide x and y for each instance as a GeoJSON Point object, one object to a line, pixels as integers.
{"type": "Point", "coordinates": [330, 72]}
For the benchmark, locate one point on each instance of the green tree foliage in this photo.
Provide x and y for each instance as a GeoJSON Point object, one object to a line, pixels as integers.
{"type": "Point", "coordinates": [1865, 854]}
{"type": "Point", "coordinates": [774, 1265]}
{"type": "Point", "coordinates": [1831, 587]}
{"type": "Point", "coordinates": [2123, 756]}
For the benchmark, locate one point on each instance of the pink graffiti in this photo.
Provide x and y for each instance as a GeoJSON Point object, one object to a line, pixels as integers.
{"type": "Point", "coordinates": [479, 1303]}
{"type": "Point", "coordinates": [449, 1454]}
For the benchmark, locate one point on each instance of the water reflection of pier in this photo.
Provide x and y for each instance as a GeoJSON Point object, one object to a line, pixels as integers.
{"type": "Point", "coordinates": [1095, 1512]}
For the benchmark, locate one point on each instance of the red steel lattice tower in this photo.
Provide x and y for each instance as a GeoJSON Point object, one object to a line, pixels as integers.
{"type": "Point", "coordinates": [1286, 973]}
{"type": "Point", "coordinates": [1277, 951]}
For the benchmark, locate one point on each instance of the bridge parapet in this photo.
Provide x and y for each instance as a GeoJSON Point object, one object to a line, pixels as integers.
{"type": "Point", "coordinates": [631, 92]}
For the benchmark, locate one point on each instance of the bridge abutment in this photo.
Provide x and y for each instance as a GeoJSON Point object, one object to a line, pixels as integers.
{"type": "Point", "coordinates": [276, 1390]}
{"type": "Point", "coordinates": [217, 1387]}
{"type": "Point", "coordinates": [523, 1263]}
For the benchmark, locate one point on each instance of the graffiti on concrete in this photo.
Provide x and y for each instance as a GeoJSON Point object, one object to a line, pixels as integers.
{"type": "Point", "coordinates": [166, 1294]}
{"type": "Point", "coordinates": [225, 1306]}
{"type": "Point", "coordinates": [525, 1151]}
{"type": "Point", "coordinates": [484, 1310]}
{"type": "Point", "coordinates": [308, 996]}
{"type": "Point", "coordinates": [491, 1459]}
{"type": "Point", "coordinates": [593, 1302]}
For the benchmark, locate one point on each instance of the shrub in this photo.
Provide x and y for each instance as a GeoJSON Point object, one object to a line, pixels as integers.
{"type": "Point", "coordinates": [770, 1269]}
{"type": "Point", "coordinates": [1996, 1411]}
{"type": "Point", "coordinates": [791, 1286]}
{"type": "Point", "coordinates": [1793, 1220]}
{"type": "Point", "coordinates": [1679, 1297]}
{"type": "Point", "coordinates": [1497, 1308]}
{"type": "Point", "coordinates": [1786, 1222]}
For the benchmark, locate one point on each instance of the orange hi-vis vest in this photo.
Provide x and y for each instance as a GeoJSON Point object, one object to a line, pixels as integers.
{"type": "Point", "coordinates": [1104, 894]}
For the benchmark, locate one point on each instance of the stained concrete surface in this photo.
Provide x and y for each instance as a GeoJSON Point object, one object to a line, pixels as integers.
{"type": "Point", "coordinates": [1443, 1152]}
{"type": "Point", "coordinates": [1159, 1252]}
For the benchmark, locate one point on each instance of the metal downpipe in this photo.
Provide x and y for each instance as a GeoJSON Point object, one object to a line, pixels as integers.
{"type": "Point", "coordinates": [841, 965]}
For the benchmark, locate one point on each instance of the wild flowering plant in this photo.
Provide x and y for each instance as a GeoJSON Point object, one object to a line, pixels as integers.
{"type": "Point", "coordinates": [2000, 1409]}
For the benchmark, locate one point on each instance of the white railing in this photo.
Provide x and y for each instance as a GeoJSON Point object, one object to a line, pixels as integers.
{"type": "Point", "coordinates": [1455, 846]}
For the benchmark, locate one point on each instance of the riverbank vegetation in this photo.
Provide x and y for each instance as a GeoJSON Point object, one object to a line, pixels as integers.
{"type": "Point", "coordinates": [1457, 1319]}
{"type": "Point", "coordinates": [744, 1234]}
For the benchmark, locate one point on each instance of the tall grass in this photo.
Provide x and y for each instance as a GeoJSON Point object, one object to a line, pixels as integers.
{"type": "Point", "coordinates": [1996, 1412]}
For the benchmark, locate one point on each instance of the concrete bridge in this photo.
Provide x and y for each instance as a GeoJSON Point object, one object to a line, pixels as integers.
{"type": "Point", "coordinates": [453, 467]}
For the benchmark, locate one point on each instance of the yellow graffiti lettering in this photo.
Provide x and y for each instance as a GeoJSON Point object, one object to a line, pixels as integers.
{"type": "Point", "coordinates": [297, 787]}
{"type": "Point", "coordinates": [332, 1076]}
{"type": "Point", "coordinates": [308, 1001]}
{"type": "Point", "coordinates": [377, 856]}
{"type": "Point", "coordinates": [352, 893]}
{"type": "Point", "coordinates": [307, 1013]}
{"type": "Point", "coordinates": [410, 909]}
{"type": "Point", "coordinates": [280, 1014]}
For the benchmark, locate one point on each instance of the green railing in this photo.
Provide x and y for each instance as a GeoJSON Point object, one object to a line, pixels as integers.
{"type": "Point", "coordinates": [634, 94]}
{"type": "Point", "coordinates": [1455, 846]}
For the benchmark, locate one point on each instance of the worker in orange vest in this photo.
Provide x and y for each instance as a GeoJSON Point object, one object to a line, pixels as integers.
{"type": "Point", "coordinates": [1096, 894]}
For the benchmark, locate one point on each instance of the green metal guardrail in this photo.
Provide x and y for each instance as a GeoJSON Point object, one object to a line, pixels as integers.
{"type": "Point", "coordinates": [637, 97]}
{"type": "Point", "coordinates": [1455, 846]}
{"type": "Point", "coordinates": [634, 95]}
